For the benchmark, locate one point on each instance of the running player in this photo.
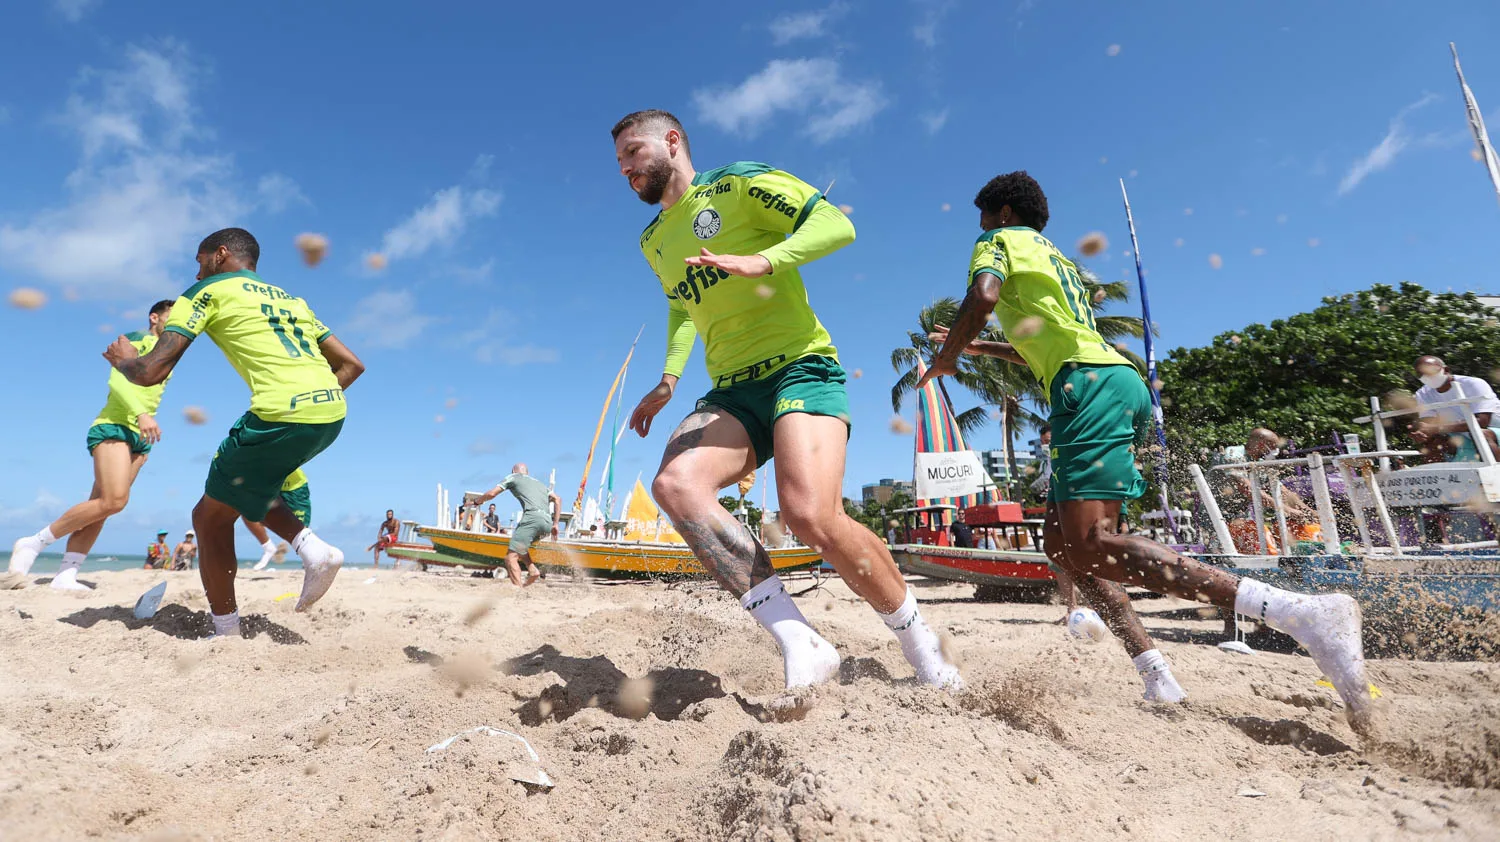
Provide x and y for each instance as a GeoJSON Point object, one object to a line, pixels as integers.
{"type": "Point", "coordinates": [119, 440]}
{"type": "Point", "coordinates": [726, 248]}
{"type": "Point", "coordinates": [1100, 408]}
{"type": "Point", "coordinates": [296, 495]}
{"type": "Point", "coordinates": [297, 373]}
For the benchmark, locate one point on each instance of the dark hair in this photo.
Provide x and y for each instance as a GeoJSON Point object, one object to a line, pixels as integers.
{"type": "Point", "coordinates": [651, 115]}
{"type": "Point", "coordinates": [1044, 429]}
{"type": "Point", "coordinates": [241, 244]}
{"type": "Point", "coordinates": [1021, 192]}
{"type": "Point", "coordinates": [162, 306]}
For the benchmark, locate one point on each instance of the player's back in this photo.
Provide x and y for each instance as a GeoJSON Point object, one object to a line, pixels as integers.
{"type": "Point", "coordinates": [271, 338]}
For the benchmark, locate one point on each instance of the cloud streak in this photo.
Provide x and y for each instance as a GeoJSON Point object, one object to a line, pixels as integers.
{"type": "Point", "coordinates": [439, 222]}
{"type": "Point", "coordinates": [1397, 140]}
{"type": "Point", "coordinates": [814, 88]}
{"type": "Point", "coordinates": [386, 320]}
{"type": "Point", "coordinates": [797, 25]}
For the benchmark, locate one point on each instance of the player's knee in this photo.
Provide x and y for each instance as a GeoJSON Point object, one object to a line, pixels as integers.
{"type": "Point", "coordinates": [812, 528]}
{"type": "Point", "coordinates": [677, 493]}
{"type": "Point", "coordinates": [114, 502]}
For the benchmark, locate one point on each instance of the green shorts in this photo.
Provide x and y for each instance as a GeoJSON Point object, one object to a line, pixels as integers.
{"type": "Point", "coordinates": [299, 500]}
{"type": "Point", "coordinates": [258, 456]}
{"type": "Point", "coordinates": [100, 433]}
{"type": "Point", "coordinates": [1099, 414]}
{"type": "Point", "coordinates": [814, 385]}
{"type": "Point", "coordinates": [528, 532]}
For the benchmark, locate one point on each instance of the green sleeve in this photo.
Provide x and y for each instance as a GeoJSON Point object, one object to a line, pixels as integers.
{"type": "Point", "coordinates": [823, 232]}
{"type": "Point", "coordinates": [989, 256]}
{"type": "Point", "coordinates": [680, 334]}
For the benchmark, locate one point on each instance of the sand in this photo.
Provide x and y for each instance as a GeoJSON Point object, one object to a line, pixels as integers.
{"type": "Point", "coordinates": [646, 705]}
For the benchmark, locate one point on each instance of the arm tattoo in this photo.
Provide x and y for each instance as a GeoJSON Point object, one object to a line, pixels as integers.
{"type": "Point", "coordinates": [153, 367]}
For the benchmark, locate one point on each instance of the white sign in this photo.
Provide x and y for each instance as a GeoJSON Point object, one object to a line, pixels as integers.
{"type": "Point", "coordinates": [1444, 486]}
{"type": "Point", "coordinates": [954, 474]}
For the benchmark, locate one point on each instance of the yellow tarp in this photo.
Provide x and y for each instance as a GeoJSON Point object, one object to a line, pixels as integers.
{"type": "Point", "coordinates": [646, 522]}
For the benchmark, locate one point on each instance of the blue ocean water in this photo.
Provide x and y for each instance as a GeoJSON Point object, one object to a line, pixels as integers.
{"type": "Point", "coordinates": [50, 562]}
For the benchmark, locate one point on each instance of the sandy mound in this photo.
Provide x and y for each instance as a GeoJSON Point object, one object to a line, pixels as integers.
{"type": "Point", "coordinates": [647, 706]}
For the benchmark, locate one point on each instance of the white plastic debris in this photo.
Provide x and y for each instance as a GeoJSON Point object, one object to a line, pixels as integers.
{"type": "Point", "coordinates": [536, 776]}
{"type": "Point", "coordinates": [145, 607]}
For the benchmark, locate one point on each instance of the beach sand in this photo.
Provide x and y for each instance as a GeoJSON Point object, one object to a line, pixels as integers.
{"type": "Point", "coordinates": [645, 703]}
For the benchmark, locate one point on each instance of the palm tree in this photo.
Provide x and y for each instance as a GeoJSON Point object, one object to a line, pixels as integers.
{"type": "Point", "coordinates": [997, 383]}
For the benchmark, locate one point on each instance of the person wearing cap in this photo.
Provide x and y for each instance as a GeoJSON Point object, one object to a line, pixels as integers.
{"type": "Point", "coordinates": [159, 555]}
{"type": "Point", "coordinates": [185, 554]}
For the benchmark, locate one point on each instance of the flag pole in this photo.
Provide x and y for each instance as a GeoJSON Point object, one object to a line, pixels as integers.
{"type": "Point", "coordinates": [1157, 420]}
{"type": "Point", "coordinates": [1476, 125]}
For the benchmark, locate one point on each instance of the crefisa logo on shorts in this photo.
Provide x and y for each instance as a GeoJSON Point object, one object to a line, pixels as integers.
{"type": "Point", "coordinates": [706, 224]}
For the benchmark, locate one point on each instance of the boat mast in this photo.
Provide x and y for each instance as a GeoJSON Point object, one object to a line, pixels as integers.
{"type": "Point", "coordinates": [599, 428]}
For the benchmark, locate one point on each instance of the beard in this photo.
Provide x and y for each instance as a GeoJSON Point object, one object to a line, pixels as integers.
{"type": "Point", "coordinates": [657, 175]}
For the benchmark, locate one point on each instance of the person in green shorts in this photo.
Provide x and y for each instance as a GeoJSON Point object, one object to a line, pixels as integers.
{"type": "Point", "coordinates": [536, 500]}
{"type": "Point", "coordinates": [119, 441]}
{"type": "Point", "coordinates": [1100, 409]}
{"type": "Point", "coordinates": [295, 495]}
{"type": "Point", "coordinates": [726, 247]}
{"type": "Point", "coordinates": [297, 373]}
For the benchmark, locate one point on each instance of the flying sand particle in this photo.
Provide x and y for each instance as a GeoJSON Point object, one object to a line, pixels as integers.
{"type": "Point", "coordinates": [1112, 50]}
{"type": "Point", "coordinates": [900, 426]}
{"type": "Point", "coordinates": [1092, 243]}
{"type": "Point", "coordinates": [313, 247]}
{"type": "Point", "coordinates": [26, 298]}
{"type": "Point", "coordinates": [764, 290]}
{"type": "Point", "coordinates": [1029, 326]}
{"type": "Point", "coordinates": [194, 415]}
{"type": "Point", "coordinates": [375, 262]}
{"type": "Point", "coordinates": [1215, 261]}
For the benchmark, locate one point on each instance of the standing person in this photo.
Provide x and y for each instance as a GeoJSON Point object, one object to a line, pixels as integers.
{"type": "Point", "coordinates": [158, 554]}
{"type": "Point", "coordinates": [726, 247]}
{"type": "Point", "coordinates": [386, 534]}
{"type": "Point", "coordinates": [119, 441]}
{"type": "Point", "coordinates": [296, 495]}
{"type": "Point", "coordinates": [185, 554]}
{"type": "Point", "coordinates": [1100, 409]}
{"type": "Point", "coordinates": [535, 499]}
{"type": "Point", "coordinates": [297, 373]}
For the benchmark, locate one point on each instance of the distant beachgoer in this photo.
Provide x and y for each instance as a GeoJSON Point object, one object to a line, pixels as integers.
{"type": "Point", "coordinates": [491, 520]}
{"type": "Point", "coordinates": [386, 534]}
{"type": "Point", "coordinates": [963, 534]}
{"type": "Point", "coordinates": [119, 441]}
{"type": "Point", "coordinates": [535, 499]}
{"type": "Point", "coordinates": [726, 248]}
{"type": "Point", "coordinates": [159, 555]}
{"type": "Point", "coordinates": [296, 495]}
{"type": "Point", "coordinates": [185, 554]}
{"type": "Point", "coordinates": [1443, 434]}
{"type": "Point", "coordinates": [1100, 409]}
{"type": "Point", "coordinates": [1233, 489]}
{"type": "Point", "coordinates": [297, 372]}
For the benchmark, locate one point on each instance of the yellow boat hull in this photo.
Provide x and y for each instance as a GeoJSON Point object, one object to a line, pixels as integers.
{"type": "Point", "coordinates": [599, 558]}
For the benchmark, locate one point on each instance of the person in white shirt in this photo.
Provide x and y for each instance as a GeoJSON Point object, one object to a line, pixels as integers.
{"type": "Point", "coordinates": [1442, 433]}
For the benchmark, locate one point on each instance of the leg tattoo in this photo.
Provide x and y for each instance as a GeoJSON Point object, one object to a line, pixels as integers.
{"type": "Point", "coordinates": [729, 553]}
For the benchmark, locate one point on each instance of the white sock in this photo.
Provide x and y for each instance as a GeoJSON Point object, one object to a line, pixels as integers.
{"type": "Point", "coordinates": [269, 546]}
{"type": "Point", "coordinates": [72, 560]}
{"type": "Point", "coordinates": [309, 546]}
{"type": "Point", "coordinates": [1328, 626]}
{"type": "Point", "coordinates": [808, 658]}
{"type": "Point", "coordinates": [1161, 686]}
{"type": "Point", "coordinates": [46, 536]}
{"type": "Point", "coordinates": [920, 645]}
{"type": "Point", "coordinates": [67, 575]}
{"type": "Point", "coordinates": [226, 625]}
{"type": "Point", "coordinates": [320, 566]}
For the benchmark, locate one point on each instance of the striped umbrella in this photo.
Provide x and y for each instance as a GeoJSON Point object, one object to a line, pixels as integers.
{"type": "Point", "coordinates": [937, 432]}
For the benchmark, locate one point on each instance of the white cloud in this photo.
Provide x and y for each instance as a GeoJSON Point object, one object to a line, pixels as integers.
{"type": "Point", "coordinates": [276, 192]}
{"type": "Point", "coordinates": [813, 87]}
{"type": "Point", "coordinates": [386, 320]}
{"type": "Point", "coordinates": [477, 275]}
{"type": "Point", "coordinates": [795, 25]}
{"type": "Point", "coordinates": [1397, 140]}
{"type": "Point", "coordinates": [485, 340]}
{"type": "Point", "coordinates": [43, 508]}
{"type": "Point", "coordinates": [74, 10]}
{"type": "Point", "coordinates": [439, 222]}
{"type": "Point", "coordinates": [144, 191]}
{"type": "Point", "coordinates": [935, 120]}
{"type": "Point", "coordinates": [4, 115]}
{"type": "Point", "coordinates": [930, 18]}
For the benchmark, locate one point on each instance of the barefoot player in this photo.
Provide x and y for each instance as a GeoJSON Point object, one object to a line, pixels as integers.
{"type": "Point", "coordinates": [119, 441]}
{"type": "Point", "coordinates": [1100, 409]}
{"type": "Point", "coordinates": [726, 248]}
{"type": "Point", "coordinates": [297, 373]}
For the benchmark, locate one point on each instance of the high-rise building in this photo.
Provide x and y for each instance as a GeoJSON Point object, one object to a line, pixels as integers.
{"type": "Point", "coordinates": [881, 491]}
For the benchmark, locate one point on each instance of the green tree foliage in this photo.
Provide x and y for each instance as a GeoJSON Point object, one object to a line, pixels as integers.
{"type": "Point", "coordinates": [752, 513]}
{"type": "Point", "coordinates": [1309, 376]}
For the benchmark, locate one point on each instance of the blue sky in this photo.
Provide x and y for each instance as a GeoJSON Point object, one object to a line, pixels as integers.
{"type": "Point", "coordinates": [1315, 151]}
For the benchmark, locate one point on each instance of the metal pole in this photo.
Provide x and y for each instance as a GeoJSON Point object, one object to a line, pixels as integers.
{"type": "Point", "coordinates": [1259, 512]}
{"type": "Point", "coordinates": [1368, 474]}
{"type": "Point", "coordinates": [1324, 502]}
{"type": "Point", "coordinates": [1157, 420]}
{"type": "Point", "coordinates": [1354, 504]}
{"type": "Point", "coordinates": [1385, 461]}
{"type": "Point", "coordinates": [1215, 517]}
{"type": "Point", "coordinates": [1286, 537]}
